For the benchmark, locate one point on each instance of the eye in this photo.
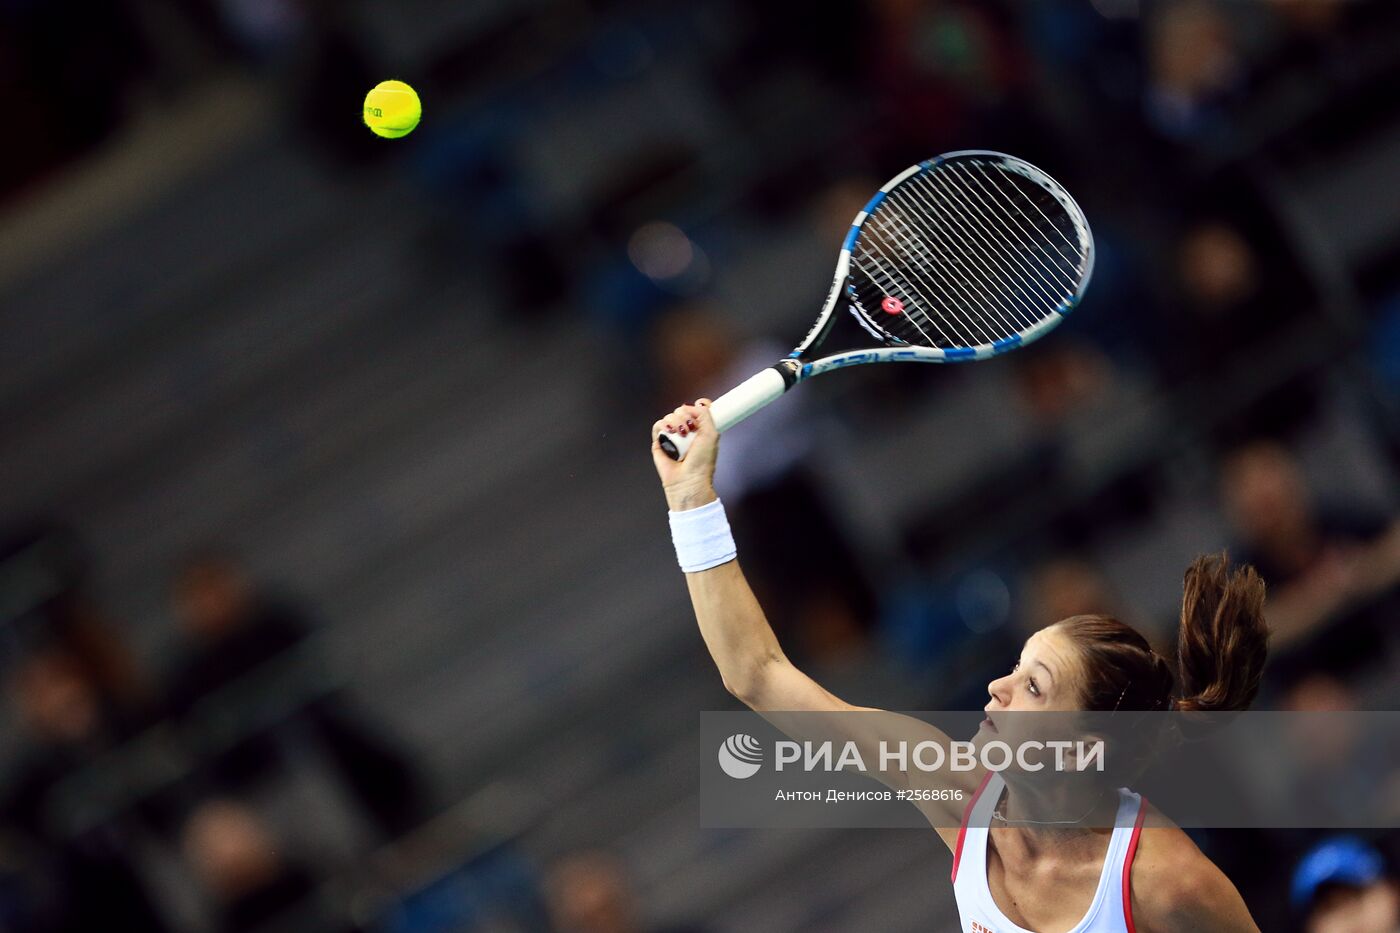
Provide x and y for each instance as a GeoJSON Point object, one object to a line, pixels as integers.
{"type": "Point", "coordinates": [1033, 687]}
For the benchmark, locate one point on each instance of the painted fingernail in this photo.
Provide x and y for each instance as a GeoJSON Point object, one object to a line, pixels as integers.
{"type": "Point", "coordinates": [670, 430]}
{"type": "Point", "coordinates": [690, 424]}
{"type": "Point", "coordinates": [683, 432]}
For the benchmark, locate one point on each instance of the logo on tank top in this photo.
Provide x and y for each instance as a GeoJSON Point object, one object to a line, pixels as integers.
{"type": "Point", "coordinates": [978, 928]}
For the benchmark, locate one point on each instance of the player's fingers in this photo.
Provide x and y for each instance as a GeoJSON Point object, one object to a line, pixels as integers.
{"type": "Point", "coordinates": [684, 420]}
{"type": "Point", "coordinates": [703, 415]}
{"type": "Point", "coordinates": [667, 425]}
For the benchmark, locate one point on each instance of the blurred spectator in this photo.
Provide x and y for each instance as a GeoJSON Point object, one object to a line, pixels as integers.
{"type": "Point", "coordinates": [1340, 764]}
{"type": "Point", "coordinates": [1217, 266]}
{"type": "Point", "coordinates": [50, 605]}
{"type": "Point", "coordinates": [236, 633]}
{"type": "Point", "coordinates": [796, 554]}
{"type": "Point", "coordinates": [1193, 66]}
{"type": "Point", "coordinates": [1065, 379]}
{"type": "Point", "coordinates": [589, 892]}
{"type": "Point", "coordinates": [243, 867]}
{"type": "Point", "coordinates": [1238, 290]}
{"type": "Point", "coordinates": [1318, 39]}
{"type": "Point", "coordinates": [1344, 886]}
{"type": "Point", "coordinates": [1325, 563]}
{"type": "Point", "coordinates": [68, 726]}
{"type": "Point", "coordinates": [942, 73]}
{"type": "Point", "coordinates": [1238, 280]}
{"type": "Point", "coordinates": [1064, 587]}
{"type": "Point", "coordinates": [229, 627]}
{"type": "Point", "coordinates": [89, 867]}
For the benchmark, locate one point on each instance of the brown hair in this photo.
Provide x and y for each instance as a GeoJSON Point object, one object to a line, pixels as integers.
{"type": "Point", "coordinates": [1223, 640]}
{"type": "Point", "coordinates": [1221, 646]}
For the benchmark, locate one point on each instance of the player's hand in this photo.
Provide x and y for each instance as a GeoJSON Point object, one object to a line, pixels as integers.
{"type": "Point", "coordinates": [689, 483]}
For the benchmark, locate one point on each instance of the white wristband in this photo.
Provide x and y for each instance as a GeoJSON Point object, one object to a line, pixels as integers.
{"type": "Point", "coordinates": [702, 537]}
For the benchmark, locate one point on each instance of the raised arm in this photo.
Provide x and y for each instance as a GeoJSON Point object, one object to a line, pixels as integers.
{"type": "Point", "coordinates": [751, 663]}
{"type": "Point", "coordinates": [750, 660]}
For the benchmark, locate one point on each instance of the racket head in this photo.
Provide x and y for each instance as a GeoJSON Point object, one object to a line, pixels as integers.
{"type": "Point", "coordinates": [961, 257]}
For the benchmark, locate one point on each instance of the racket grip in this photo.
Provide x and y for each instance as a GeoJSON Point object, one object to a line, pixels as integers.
{"type": "Point", "coordinates": [734, 406]}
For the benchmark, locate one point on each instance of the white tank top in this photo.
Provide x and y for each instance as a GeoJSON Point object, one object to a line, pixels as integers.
{"type": "Point", "coordinates": [1109, 912]}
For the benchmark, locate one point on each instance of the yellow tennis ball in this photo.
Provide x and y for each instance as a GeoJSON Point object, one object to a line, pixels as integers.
{"type": "Point", "coordinates": [392, 109]}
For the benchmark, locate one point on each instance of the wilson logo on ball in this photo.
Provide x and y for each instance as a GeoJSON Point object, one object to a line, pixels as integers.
{"type": "Point", "coordinates": [740, 756]}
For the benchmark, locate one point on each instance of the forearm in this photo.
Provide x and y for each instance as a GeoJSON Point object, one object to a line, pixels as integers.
{"type": "Point", "coordinates": [731, 621]}
{"type": "Point", "coordinates": [735, 629]}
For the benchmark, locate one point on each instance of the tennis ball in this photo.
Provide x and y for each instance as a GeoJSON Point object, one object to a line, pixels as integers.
{"type": "Point", "coordinates": [392, 109]}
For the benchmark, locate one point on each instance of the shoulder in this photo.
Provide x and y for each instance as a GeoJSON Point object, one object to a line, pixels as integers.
{"type": "Point", "coordinates": [1176, 888]}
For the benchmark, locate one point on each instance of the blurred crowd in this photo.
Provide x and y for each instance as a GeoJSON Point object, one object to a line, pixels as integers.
{"type": "Point", "coordinates": [1158, 115]}
{"type": "Point", "coordinates": [122, 769]}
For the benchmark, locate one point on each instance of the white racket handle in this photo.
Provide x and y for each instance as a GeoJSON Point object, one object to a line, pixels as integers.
{"type": "Point", "coordinates": [732, 407]}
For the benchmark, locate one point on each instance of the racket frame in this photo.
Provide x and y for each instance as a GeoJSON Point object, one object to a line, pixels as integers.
{"type": "Point", "coordinates": [766, 386]}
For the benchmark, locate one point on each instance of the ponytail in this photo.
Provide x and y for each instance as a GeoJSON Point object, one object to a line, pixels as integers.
{"type": "Point", "coordinates": [1223, 639]}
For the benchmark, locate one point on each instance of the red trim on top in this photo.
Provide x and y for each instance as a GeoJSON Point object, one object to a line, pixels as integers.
{"type": "Point", "coordinates": [1128, 865]}
{"type": "Point", "coordinates": [967, 815]}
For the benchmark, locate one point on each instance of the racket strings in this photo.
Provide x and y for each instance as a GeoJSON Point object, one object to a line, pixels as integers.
{"type": "Point", "coordinates": [899, 271]}
{"type": "Point", "coordinates": [1007, 256]}
{"type": "Point", "coordinates": [1002, 261]}
{"type": "Point", "coordinates": [961, 331]}
{"type": "Point", "coordinates": [1012, 304]}
{"type": "Point", "coordinates": [884, 284]}
{"type": "Point", "coordinates": [968, 253]}
{"type": "Point", "coordinates": [1037, 233]}
{"type": "Point", "coordinates": [931, 269]}
{"type": "Point", "coordinates": [918, 292]}
{"type": "Point", "coordinates": [974, 289]}
{"type": "Point", "coordinates": [1026, 190]}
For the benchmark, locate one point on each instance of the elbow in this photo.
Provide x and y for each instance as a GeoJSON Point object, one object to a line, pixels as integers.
{"type": "Point", "coordinates": [742, 690]}
{"type": "Point", "coordinates": [748, 683]}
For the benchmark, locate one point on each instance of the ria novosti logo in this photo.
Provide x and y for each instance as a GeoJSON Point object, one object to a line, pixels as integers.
{"type": "Point", "coordinates": [740, 756]}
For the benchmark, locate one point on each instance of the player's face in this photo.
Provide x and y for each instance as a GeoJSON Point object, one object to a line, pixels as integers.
{"type": "Point", "coordinates": [1042, 679]}
{"type": "Point", "coordinates": [1045, 679]}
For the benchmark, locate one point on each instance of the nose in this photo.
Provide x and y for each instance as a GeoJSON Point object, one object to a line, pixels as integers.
{"type": "Point", "coordinates": [999, 690]}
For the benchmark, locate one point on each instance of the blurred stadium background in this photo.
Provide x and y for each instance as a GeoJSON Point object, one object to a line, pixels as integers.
{"type": "Point", "coordinates": [335, 591]}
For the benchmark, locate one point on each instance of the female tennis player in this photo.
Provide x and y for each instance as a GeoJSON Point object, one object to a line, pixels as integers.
{"type": "Point", "coordinates": [1012, 872]}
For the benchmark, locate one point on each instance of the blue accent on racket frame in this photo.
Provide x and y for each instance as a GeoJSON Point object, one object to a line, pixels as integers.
{"type": "Point", "coordinates": [959, 353]}
{"type": "Point", "coordinates": [1007, 343]}
{"type": "Point", "coordinates": [851, 238]}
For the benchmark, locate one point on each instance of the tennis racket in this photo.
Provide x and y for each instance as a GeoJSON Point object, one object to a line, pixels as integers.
{"type": "Point", "coordinates": [962, 257]}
